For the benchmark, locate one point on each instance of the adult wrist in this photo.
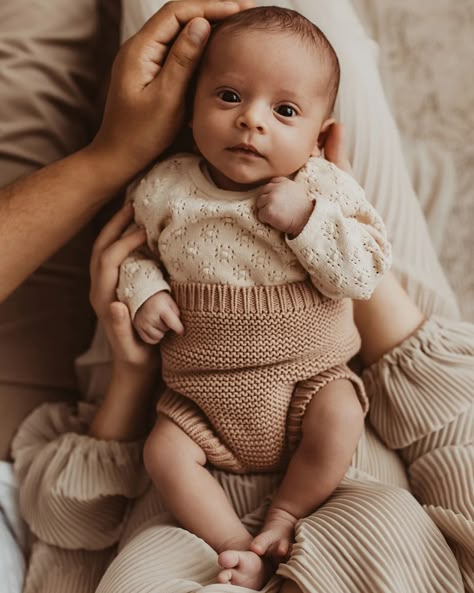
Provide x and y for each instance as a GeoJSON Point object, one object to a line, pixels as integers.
{"type": "Point", "coordinates": [136, 378]}
{"type": "Point", "coordinates": [112, 169]}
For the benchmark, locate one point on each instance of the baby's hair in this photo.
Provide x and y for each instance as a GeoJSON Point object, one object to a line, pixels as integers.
{"type": "Point", "coordinates": [283, 20]}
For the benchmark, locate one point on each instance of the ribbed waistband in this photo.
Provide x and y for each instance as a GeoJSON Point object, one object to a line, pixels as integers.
{"type": "Point", "coordinates": [242, 300]}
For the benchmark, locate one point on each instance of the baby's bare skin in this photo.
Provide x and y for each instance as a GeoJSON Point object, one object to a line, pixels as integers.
{"type": "Point", "coordinates": [244, 568]}
{"type": "Point", "coordinates": [276, 538]}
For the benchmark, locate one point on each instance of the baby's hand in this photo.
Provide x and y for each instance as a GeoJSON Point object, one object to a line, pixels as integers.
{"type": "Point", "coordinates": [284, 205]}
{"type": "Point", "coordinates": [156, 316]}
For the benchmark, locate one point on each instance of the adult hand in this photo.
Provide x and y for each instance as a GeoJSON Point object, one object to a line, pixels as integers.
{"type": "Point", "coordinates": [146, 99]}
{"type": "Point", "coordinates": [335, 149]}
{"type": "Point", "coordinates": [109, 251]}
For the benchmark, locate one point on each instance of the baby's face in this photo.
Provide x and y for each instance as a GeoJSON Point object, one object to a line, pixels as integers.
{"type": "Point", "coordinates": [259, 107]}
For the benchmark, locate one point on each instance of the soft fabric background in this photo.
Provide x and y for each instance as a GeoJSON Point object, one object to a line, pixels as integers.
{"type": "Point", "coordinates": [426, 58]}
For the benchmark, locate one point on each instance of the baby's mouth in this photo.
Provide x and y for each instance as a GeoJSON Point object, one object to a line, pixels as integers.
{"type": "Point", "coordinates": [247, 149]}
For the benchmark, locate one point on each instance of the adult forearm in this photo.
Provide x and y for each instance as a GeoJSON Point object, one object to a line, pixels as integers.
{"type": "Point", "coordinates": [42, 211]}
{"type": "Point", "coordinates": [386, 319]}
{"type": "Point", "coordinates": [125, 412]}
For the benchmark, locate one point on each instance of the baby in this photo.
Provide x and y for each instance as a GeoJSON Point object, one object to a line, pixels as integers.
{"type": "Point", "coordinates": [256, 244]}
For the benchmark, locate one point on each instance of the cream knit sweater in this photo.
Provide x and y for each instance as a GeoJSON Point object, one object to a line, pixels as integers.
{"type": "Point", "coordinates": [197, 232]}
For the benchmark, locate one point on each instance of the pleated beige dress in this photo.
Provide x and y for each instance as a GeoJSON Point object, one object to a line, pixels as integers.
{"type": "Point", "coordinates": [86, 499]}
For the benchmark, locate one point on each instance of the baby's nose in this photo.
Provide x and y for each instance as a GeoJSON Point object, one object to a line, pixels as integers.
{"type": "Point", "coordinates": [253, 119]}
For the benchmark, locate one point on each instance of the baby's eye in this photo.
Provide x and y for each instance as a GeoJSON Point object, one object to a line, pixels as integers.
{"type": "Point", "coordinates": [286, 111]}
{"type": "Point", "coordinates": [229, 96]}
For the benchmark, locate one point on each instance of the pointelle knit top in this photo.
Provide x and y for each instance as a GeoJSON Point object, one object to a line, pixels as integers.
{"type": "Point", "coordinates": [197, 232]}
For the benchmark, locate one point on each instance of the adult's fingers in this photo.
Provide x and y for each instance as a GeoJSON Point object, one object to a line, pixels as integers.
{"type": "Point", "coordinates": [125, 344]}
{"type": "Point", "coordinates": [335, 148]}
{"type": "Point", "coordinates": [165, 24]}
{"type": "Point", "coordinates": [115, 253]}
{"type": "Point", "coordinates": [185, 52]}
{"type": "Point", "coordinates": [113, 229]}
{"type": "Point", "coordinates": [104, 268]}
{"type": "Point", "coordinates": [120, 327]}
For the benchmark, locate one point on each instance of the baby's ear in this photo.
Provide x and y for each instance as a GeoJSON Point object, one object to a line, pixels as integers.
{"type": "Point", "coordinates": [322, 137]}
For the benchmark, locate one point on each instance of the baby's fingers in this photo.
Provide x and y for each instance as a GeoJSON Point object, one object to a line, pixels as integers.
{"type": "Point", "coordinates": [151, 335]}
{"type": "Point", "coordinates": [172, 320]}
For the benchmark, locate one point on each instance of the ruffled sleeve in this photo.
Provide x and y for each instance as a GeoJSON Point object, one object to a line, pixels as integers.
{"type": "Point", "coordinates": [74, 489]}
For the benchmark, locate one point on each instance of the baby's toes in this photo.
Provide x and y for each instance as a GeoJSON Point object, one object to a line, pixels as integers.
{"type": "Point", "coordinates": [224, 577]}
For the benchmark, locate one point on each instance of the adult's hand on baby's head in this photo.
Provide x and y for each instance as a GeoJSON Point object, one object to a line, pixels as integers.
{"type": "Point", "coordinates": [146, 99]}
{"type": "Point", "coordinates": [335, 148]}
{"type": "Point", "coordinates": [109, 251]}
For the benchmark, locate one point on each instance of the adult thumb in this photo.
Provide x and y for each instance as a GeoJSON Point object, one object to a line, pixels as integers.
{"type": "Point", "coordinates": [121, 330]}
{"type": "Point", "coordinates": [183, 56]}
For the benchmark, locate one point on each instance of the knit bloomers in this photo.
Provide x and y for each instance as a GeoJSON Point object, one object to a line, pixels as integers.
{"type": "Point", "coordinates": [250, 361]}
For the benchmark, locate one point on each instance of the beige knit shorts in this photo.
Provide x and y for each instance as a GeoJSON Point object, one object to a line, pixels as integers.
{"type": "Point", "coordinates": [251, 360]}
{"type": "Point", "coordinates": [241, 447]}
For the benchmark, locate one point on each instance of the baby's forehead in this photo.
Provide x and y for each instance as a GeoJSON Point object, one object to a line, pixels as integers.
{"type": "Point", "coordinates": [235, 41]}
{"type": "Point", "coordinates": [224, 36]}
{"type": "Point", "coordinates": [226, 49]}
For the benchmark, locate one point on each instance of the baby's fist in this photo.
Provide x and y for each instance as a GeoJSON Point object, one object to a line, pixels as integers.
{"type": "Point", "coordinates": [284, 205]}
{"type": "Point", "coordinates": [158, 314]}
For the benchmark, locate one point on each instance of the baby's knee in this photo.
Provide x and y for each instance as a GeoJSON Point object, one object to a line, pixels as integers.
{"type": "Point", "coordinates": [168, 447]}
{"type": "Point", "coordinates": [335, 409]}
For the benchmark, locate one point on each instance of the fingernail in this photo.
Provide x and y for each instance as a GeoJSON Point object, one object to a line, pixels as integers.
{"type": "Point", "coordinates": [198, 31]}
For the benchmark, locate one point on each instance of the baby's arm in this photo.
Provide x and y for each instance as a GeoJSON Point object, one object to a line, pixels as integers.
{"type": "Point", "coordinates": [142, 286]}
{"type": "Point", "coordinates": [144, 290]}
{"type": "Point", "coordinates": [343, 245]}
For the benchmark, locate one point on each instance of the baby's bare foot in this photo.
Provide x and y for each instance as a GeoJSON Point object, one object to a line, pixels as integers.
{"type": "Point", "coordinates": [244, 568]}
{"type": "Point", "coordinates": [276, 537]}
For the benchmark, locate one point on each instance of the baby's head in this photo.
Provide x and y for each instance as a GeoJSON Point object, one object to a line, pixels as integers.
{"type": "Point", "coordinates": [264, 96]}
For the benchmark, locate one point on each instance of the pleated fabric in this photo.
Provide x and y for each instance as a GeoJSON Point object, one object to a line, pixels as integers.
{"type": "Point", "coordinates": [372, 536]}
{"type": "Point", "coordinates": [427, 384]}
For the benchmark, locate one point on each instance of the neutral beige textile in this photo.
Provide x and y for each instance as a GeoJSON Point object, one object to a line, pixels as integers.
{"type": "Point", "coordinates": [232, 375]}
{"type": "Point", "coordinates": [371, 536]}
{"type": "Point", "coordinates": [197, 232]}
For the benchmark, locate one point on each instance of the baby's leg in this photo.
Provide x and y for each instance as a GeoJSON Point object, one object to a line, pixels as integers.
{"type": "Point", "coordinates": [331, 428]}
{"type": "Point", "coordinates": [176, 465]}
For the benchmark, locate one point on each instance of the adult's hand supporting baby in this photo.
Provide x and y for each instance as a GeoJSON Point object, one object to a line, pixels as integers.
{"type": "Point", "coordinates": [42, 211]}
{"type": "Point", "coordinates": [124, 411]}
{"type": "Point", "coordinates": [109, 251]}
{"type": "Point", "coordinates": [335, 149]}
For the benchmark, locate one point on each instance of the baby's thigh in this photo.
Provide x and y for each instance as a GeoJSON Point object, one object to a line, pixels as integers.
{"type": "Point", "coordinates": [168, 447]}
{"type": "Point", "coordinates": [333, 420]}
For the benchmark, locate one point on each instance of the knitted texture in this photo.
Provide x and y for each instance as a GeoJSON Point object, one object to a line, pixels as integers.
{"type": "Point", "coordinates": [197, 232]}
{"type": "Point", "coordinates": [232, 376]}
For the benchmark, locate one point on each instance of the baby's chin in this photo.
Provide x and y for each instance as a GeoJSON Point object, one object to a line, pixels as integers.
{"type": "Point", "coordinates": [238, 182]}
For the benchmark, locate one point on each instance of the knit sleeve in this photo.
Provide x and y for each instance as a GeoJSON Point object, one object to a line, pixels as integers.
{"type": "Point", "coordinates": [141, 274]}
{"type": "Point", "coordinates": [74, 489]}
{"type": "Point", "coordinates": [140, 278]}
{"type": "Point", "coordinates": [344, 244]}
